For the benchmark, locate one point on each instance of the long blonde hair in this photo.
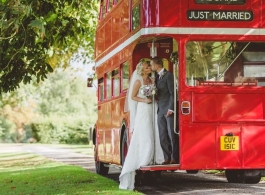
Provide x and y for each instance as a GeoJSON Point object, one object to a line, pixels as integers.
{"type": "Point", "coordinates": [140, 65]}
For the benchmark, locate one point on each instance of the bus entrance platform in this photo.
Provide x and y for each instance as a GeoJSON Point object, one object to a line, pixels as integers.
{"type": "Point", "coordinates": [169, 167]}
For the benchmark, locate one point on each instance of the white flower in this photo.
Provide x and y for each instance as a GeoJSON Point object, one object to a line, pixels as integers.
{"type": "Point", "coordinates": [148, 90]}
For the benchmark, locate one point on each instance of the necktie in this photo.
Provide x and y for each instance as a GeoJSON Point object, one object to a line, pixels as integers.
{"type": "Point", "coordinates": [156, 79]}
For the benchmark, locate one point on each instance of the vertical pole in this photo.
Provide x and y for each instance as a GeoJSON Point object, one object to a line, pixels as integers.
{"type": "Point", "coordinates": [152, 50]}
{"type": "Point", "coordinates": [153, 100]}
{"type": "Point", "coordinates": [154, 128]}
{"type": "Point", "coordinates": [175, 95]}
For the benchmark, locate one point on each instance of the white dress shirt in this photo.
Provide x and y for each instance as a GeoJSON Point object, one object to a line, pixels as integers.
{"type": "Point", "coordinates": [160, 73]}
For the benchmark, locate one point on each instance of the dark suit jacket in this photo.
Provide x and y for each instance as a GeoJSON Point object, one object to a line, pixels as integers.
{"type": "Point", "coordinates": [165, 95]}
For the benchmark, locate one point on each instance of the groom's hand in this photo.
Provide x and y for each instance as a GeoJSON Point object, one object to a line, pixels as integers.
{"type": "Point", "coordinates": [169, 113]}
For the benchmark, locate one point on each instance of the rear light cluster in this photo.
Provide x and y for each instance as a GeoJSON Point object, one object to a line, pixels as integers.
{"type": "Point", "coordinates": [185, 107]}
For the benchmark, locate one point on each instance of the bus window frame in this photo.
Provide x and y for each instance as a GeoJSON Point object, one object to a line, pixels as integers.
{"type": "Point", "coordinates": [101, 83]}
{"type": "Point", "coordinates": [115, 76]}
{"type": "Point", "coordinates": [101, 16]}
{"type": "Point", "coordinates": [108, 5]}
{"type": "Point", "coordinates": [122, 89]}
{"type": "Point", "coordinates": [106, 85]}
{"type": "Point", "coordinates": [131, 17]}
{"type": "Point", "coordinates": [100, 12]}
{"type": "Point", "coordinates": [115, 2]}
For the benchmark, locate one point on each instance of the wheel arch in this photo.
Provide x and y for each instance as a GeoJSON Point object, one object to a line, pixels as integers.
{"type": "Point", "coordinates": [94, 135]}
{"type": "Point", "coordinates": [122, 131]}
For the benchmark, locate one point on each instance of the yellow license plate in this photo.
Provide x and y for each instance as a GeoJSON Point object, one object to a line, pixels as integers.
{"type": "Point", "coordinates": [229, 142]}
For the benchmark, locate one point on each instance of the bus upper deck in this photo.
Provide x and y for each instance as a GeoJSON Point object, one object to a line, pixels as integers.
{"type": "Point", "coordinates": [121, 22]}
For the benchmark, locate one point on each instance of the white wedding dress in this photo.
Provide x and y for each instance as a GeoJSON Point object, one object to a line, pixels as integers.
{"type": "Point", "coordinates": [144, 147]}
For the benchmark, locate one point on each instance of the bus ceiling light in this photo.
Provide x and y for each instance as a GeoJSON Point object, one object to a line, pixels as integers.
{"type": "Point", "coordinates": [185, 107]}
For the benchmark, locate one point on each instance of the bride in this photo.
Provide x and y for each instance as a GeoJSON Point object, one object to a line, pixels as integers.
{"type": "Point", "coordinates": [145, 146]}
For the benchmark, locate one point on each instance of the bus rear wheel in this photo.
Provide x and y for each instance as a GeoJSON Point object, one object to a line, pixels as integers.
{"type": "Point", "coordinates": [243, 176]}
{"type": "Point", "coordinates": [235, 176]}
{"type": "Point", "coordinates": [252, 176]}
{"type": "Point", "coordinates": [101, 168]}
{"type": "Point", "coordinates": [147, 177]}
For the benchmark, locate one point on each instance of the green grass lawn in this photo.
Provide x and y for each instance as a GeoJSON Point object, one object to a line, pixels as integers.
{"type": "Point", "coordinates": [30, 174]}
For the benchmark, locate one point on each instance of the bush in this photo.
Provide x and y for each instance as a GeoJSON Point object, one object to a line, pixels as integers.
{"type": "Point", "coordinates": [70, 130]}
{"type": "Point", "coordinates": [7, 128]}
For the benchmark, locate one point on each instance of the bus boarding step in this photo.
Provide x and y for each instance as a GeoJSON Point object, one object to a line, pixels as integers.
{"type": "Point", "coordinates": [169, 167]}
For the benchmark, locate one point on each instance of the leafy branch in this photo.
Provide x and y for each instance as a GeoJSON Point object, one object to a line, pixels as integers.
{"type": "Point", "coordinates": [38, 36]}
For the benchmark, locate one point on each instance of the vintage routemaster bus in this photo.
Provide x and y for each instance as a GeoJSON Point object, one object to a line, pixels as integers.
{"type": "Point", "coordinates": [216, 50]}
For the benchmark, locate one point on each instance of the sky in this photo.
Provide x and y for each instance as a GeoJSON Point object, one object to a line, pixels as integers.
{"type": "Point", "coordinates": [83, 70]}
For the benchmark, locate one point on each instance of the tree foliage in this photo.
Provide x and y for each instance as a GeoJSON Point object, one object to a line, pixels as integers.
{"type": "Point", "coordinates": [60, 109]}
{"type": "Point", "coordinates": [37, 35]}
{"type": "Point", "coordinates": [17, 109]}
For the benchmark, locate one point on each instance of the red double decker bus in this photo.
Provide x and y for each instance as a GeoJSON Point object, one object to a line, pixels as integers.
{"type": "Point", "coordinates": [216, 50]}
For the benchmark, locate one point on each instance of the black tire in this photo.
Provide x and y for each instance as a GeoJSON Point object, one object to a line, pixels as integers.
{"type": "Point", "coordinates": [138, 178]}
{"type": "Point", "coordinates": [235, 176]}
{"type": "Point", "coordinates": [192, 171]}
{"type": "Point", "coordinates": [101, 168]}
{"type": "Point", "coordinates": [253, 179]}
{"type": "Point", "coordinates": [124, 147]}
{"type": "Point", "coordinates": [150, 177]}
{"type": "Point", "coordinates": [157, 174]}
{"type": "Point", "coordinates": [146, 178]}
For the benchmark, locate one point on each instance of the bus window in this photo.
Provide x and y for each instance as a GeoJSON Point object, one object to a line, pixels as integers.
{"type": "Point", "coordinates": [136, 17]}
{"type": "Point", "coordinates": [225, 63]}
{"type": "Point", "coordinates": [102, 9]}
{"type": "Point", "coordinates": [108, 87]}
{"type": "Point", "coordinates": [110, 5]}
{"type": "Point", "coordinates": [125, 75]}
{"type": "Point", "coordinates": [116, 82]}
{"type": "Point", "coordinates": [101, 90]}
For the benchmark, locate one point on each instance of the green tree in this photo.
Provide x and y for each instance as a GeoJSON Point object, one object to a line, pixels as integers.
{"type": "Point", "coordinates": [17, 109]}
{"type": "Point", "coordinates": [37, 34]}
{"type": "Point", "coordinates": [66, 107]}
{"type": "Point", "coordinates": [64, 94]}
{"type": "Point", "coordinates": [6, 129]}
{"type": "Point", "coordinates": [59, 109]}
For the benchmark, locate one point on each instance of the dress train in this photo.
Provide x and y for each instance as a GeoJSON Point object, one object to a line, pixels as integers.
{"type": "Point", "coordinates": [144, 147]}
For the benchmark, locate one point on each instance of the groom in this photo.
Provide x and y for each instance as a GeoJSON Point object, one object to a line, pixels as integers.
{"type": "Point", "coordinates": [165, 96]}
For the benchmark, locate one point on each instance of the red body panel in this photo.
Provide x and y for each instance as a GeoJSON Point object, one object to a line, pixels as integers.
{"type": "Point", "coordinates": [227, 107]}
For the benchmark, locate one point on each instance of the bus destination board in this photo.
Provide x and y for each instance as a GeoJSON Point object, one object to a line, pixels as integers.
{"type": "Point", "coordinates": [220, 15]}
{"type": "Point", "coordinates": [221, 2]}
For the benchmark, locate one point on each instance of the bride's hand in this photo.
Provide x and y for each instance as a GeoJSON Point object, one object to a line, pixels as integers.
{"type": "Point", "coordinates": [147, 100]}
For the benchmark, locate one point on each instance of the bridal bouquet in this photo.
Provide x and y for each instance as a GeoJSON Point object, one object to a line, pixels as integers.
{"type": "Point", "coordinates": [148, 90]}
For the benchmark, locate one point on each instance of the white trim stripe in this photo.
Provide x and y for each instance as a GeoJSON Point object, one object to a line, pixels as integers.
{"type": "Point", "coordinates": [174, 31]}
{"type": "Point", "coordinates": [119, 48]}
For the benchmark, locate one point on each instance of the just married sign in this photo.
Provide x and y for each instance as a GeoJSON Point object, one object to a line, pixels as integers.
{"type": "Point", "coordinates": [220, 15]}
